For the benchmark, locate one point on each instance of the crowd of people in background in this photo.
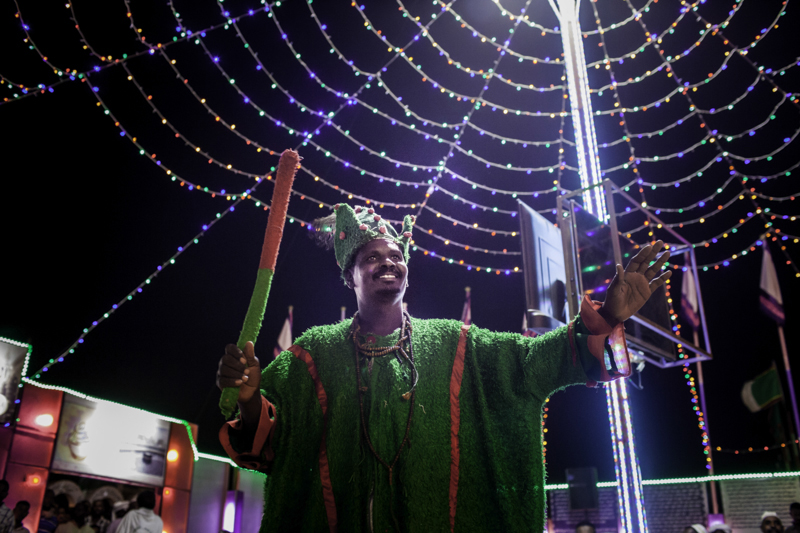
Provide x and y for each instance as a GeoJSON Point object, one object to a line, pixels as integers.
{"type": "Point", "coordinates": [103, 516]}
{"type": "Point", "coordinates": [770, 523]}
{"type": "Point", "coordinates": [11, 519]}
{"type": "Point", "coordinates": [99, 516]}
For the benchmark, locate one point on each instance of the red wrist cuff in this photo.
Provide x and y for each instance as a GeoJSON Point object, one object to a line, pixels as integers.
{"type": "Point", "coordinates": [599, 329]}
{"type": "Point", "coordinates": [262, 449]}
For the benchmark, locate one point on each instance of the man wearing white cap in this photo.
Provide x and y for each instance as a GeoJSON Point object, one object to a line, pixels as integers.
{"type": "Point", "coordinates": [770, 523]}
{"type": "Point", "coordinates": [720, 528]}
{"type": "Point", "coordinates": [695, 528]}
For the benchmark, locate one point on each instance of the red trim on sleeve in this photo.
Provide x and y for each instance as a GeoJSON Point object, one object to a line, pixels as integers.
{"type": "Point", "coordinates": [324, 469]}
{"type": "Point", "coordinates": [264, 431]}
{"type": "Point", "coordinates": [599, 329]}
{"type": "Point", "coordinates": [572, 347]}
{"type": "Point", "coordinates": [455, 420]}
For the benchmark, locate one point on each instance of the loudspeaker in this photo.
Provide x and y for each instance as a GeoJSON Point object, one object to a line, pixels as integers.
{"type": "Point", "coordinates": [582, 488]}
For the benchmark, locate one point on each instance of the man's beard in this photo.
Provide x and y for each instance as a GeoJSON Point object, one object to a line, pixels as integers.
{"type": "Point", "coordinates": [388, 292]}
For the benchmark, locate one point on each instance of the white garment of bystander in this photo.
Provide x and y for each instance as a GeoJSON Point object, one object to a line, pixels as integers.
{"type": "Point", "coordinates": [141, 521]}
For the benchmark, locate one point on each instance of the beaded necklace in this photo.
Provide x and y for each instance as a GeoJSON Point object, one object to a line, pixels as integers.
{"type": "Point", "coordinates": [375, 351]}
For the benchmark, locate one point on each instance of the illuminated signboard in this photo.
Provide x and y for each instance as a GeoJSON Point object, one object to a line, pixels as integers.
{"type": "Point", "coordinates": [112, 441]}
{"type": "Point", "coordinates": [12, 359]}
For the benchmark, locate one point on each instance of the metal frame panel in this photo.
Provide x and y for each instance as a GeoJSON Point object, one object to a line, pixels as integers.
{"type": "Point", "coordinates": [650, 353]}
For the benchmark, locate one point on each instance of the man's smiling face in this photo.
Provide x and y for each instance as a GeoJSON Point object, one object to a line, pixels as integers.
{"type": "Point", "coordinates": [378, 272]}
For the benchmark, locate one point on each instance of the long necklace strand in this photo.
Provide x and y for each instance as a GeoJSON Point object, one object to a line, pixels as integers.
{"type": "Point", "coordinates": [405, 335]}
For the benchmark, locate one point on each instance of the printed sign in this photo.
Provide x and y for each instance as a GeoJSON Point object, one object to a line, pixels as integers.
{"type": "Point", "coordinates": [112, 441]}
{"type": "Point", "coordinates": [12, 358]}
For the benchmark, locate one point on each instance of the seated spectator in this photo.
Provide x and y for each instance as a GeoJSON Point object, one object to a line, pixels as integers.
{"type": "Point", "coordinates": [120, 509]}
{"type": "Point", "coordinates": [48, 521]}
{"type": "Point", "coordinates": [6, 514]}
{"type": "Point", "coordinates": [143, 518]}
{"type": "Point", "coordinates": [584, 526]}
{"type": "Point", "coordinates": [62, 501]}
{"type": "Point", "coordinates": [794, 510]}
{"type": "Point", "coordinates": [75, 520]}
{"type": "Point", "coordinates": [66, 522]}
{"type": "Point", "coordinates": [97, 516]}
{"type": "Point", "coordinates": [81, 512]}
{"type": "Point", "coordinates": [21, 510]}
{"type": "Point", "coordinates": [770, 523]}
{"type": "Point", "coordinates": [109, 508]}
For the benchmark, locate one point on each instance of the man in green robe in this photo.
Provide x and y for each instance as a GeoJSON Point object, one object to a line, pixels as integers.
{"type": "Point", "coordinates": [388, 423]}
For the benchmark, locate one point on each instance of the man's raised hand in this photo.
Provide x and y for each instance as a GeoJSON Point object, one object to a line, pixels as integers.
{"type": "Point", "coordinates": [632, 286]}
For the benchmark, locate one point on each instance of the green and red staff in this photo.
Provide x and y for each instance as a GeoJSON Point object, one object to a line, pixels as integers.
{"type": "Point", "coordinates": [284, 177]}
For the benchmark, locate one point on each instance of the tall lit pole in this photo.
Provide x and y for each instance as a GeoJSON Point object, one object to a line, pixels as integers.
{"type": "Point", "coordinates": [626, 463]}
{"type": "Point", "coordinates": [583, 123]}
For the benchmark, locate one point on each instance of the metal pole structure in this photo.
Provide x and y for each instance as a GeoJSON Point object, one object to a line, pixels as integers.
{"type": "Point", "coordinates": [789, 380]}
{"type": "Point", "coordinates": [630, 492]}
{"type": "Point", "coordinates": [583, 123]}
{"type": "Point", "coordinates": [772, 305]}
{"type": "Point", "coordinates": [714, 504]}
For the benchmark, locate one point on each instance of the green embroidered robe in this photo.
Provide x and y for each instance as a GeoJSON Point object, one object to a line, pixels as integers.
{"type": "Point", "coordinates": [506, 379]}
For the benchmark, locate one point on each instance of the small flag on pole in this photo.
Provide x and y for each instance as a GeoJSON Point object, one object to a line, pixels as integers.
{"type": "Point", "coordinates": [763, 391]}
{"type": "Point", "coordinates": [689, 300]}
{"type": "Point", "coordinates": [770, 300]}
{"type": "Point", "coordinates": [285, 337]}
{"type": "Point", "coordinates": [466, 313]}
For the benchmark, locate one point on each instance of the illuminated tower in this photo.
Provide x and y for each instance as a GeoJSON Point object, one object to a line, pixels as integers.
{"type": "Point", "coordinates": [626, 463]}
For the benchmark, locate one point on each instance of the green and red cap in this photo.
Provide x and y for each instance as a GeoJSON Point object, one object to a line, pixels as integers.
{"type": "Point", "coordinates": [357, 226]}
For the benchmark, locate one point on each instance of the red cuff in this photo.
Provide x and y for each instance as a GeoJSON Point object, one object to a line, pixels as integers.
{"type": "Point", "coordinates": [599, 329]}
{"type": "Point", "coordinates": [262, 450]}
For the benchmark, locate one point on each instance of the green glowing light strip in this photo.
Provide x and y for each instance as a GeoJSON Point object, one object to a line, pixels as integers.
{"type": "Point", "coordinates": [99, 400]}
{"type": "Point", "coordinates": [15, 343]}
{"type": "Point", "coordinates": [227, 461]}
{"type": "Point", "coordinates": [678, 481]}
{"type": "Point", "coordinates": [601, 484]}
{"type": "Point", "coordinates": [217, 458]}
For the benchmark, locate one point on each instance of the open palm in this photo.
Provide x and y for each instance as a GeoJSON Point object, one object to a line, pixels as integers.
{"type": "Point", "coordinates": [632, 286]}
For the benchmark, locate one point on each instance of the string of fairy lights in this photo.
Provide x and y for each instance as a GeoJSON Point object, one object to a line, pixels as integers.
{"type": "Point", "coordinates": [699, 219]}
{"type": "Point", "coordinates": [701, 203]}
{"type": "Point", "coordinates": [495, 232]}
{"type": "Point", "coordinates": [490, 209]}
{"type": "Point", "coordinates": [757, 449]}
{"type": "Point", "coordinates": [727, 156]}
{"type": "Point", "coordinates": [236, 200]}
{"type": "Point", "coordinates": [692, 384]}
{"type": "Point", "coordinates": [135, 292]}
{"type": "Point", "coordinates": [466, 138]}
{"type": "Point", "coordinates": [688, 374]}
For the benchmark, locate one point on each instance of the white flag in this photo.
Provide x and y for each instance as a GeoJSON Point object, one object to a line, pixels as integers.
{"type": "Point", "coordinates": [285, 336]}
{"type": "Point", "coordinates": [770, 300]}
{"type": "Point", "coordinates": [466, 312]}
{"type": "Point", "coordinates": [689, 299]}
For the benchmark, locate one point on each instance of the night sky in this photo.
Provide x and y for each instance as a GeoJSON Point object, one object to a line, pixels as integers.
{"type": "Point", "coordinates": [86, 218]}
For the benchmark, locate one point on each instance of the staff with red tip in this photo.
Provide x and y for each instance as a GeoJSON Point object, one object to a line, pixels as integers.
{"type": "Point", "coordinates": [287, 168]}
